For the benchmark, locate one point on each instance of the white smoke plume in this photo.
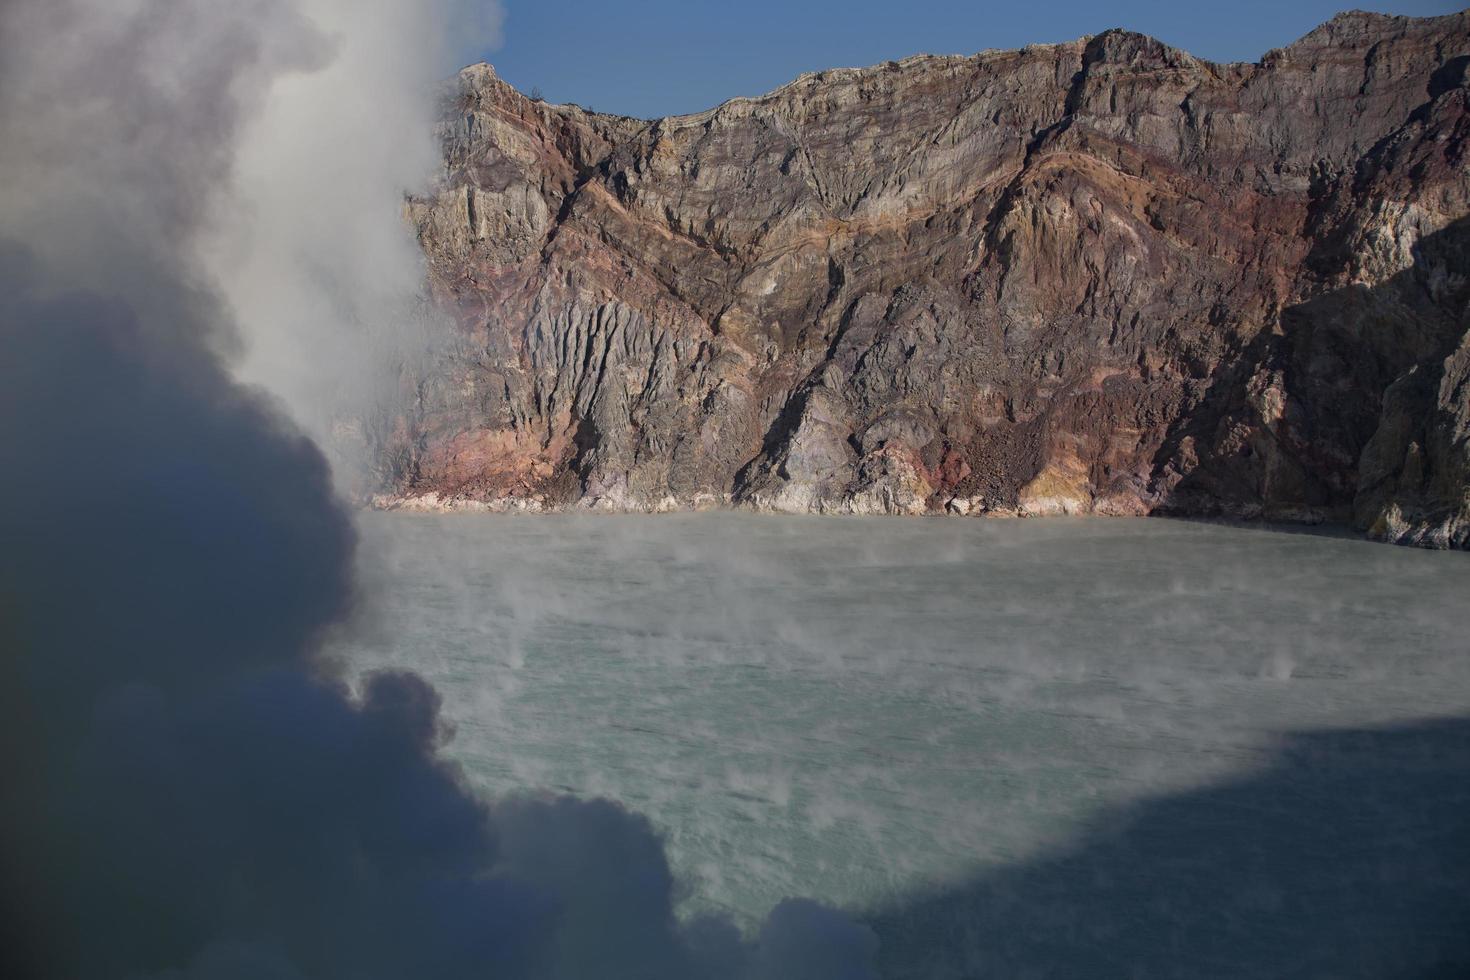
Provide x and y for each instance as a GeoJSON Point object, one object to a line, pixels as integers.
{"type": "Point", "coordinates": [312, 251]}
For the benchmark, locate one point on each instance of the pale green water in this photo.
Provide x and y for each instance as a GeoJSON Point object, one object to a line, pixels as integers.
{"type": "Point", "coordinates": [858, 710]}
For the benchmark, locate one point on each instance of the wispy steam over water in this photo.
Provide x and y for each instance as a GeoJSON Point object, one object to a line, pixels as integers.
{"type": "Point", "coordinates": [1060, 748]}
{"type": "Point", "coordinates": [185, 790]}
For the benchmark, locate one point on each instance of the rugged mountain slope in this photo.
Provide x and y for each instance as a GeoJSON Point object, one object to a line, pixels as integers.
{"type": "Point", "coordinates": [1094, 277]}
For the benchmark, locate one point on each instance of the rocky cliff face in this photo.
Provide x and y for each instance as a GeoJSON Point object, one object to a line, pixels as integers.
{"type": "Point", "coordinates": [1096, 277]}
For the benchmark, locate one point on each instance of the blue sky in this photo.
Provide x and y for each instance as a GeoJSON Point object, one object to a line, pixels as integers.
{"type": "Point", "coordinates": [655, 57]}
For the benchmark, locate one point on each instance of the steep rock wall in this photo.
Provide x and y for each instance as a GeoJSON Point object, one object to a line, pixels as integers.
{"type": "Point", "coordinates": [1095, 277]}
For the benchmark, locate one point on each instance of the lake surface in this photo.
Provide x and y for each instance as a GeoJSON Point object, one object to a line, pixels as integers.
{"type": "Point", "coordinates": [1015, 745]}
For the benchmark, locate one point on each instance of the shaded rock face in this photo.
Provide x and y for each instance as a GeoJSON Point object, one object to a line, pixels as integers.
{"type": "Point", "coordinates": [1096, 277]}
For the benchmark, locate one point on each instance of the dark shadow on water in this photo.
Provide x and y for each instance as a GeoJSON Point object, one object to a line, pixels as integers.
{"type": "Point", "coordinates": [1324, 529]}
{"type": "Point", "coordinates": [1349, 856]}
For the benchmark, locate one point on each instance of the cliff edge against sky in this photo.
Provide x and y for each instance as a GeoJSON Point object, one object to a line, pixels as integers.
{"type": "Point", "coordinates": [1095, 277]}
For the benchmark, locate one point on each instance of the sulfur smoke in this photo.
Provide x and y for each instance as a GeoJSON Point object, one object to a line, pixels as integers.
{"type": "Point", "coordinates": [186, 791]}
{"type": "Point", "coordinates": [312, 252]}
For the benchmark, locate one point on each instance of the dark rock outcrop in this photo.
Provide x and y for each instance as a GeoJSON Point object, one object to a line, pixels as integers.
{"type": "Point", "coordinates": [1095, 277]}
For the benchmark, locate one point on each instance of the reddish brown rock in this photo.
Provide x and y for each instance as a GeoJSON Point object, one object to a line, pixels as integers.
{"type": "Point", "coordinates": [1095, 277]}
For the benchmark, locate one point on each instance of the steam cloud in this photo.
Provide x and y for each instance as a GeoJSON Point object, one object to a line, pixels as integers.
{"type": "Point", "coordinates": [185, 791]}
{"type": "Point", "coordinates": [315, 257]}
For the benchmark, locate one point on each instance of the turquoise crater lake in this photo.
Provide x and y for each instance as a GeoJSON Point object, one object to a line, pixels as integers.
{"type": "Point", "coordinates": [876, 712]}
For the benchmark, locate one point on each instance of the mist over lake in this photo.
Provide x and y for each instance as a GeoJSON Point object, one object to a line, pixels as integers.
{"type": "Point", "coordinates": [872, 712]}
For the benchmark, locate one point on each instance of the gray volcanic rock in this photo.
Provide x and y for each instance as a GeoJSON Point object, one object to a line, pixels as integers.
{"type": "Point", "coordinates": [1096, 277]}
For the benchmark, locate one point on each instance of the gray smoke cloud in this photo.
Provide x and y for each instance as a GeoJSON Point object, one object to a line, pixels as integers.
{"type": "Point", "coordinates": [186, 790]}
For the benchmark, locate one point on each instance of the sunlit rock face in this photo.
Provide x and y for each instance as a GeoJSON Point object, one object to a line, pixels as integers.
{"type": "Point", "coordinates": [1095, 277]}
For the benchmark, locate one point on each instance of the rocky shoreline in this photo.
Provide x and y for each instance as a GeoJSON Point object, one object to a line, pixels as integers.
{"type": "Point", "coordinates": [1395, 532]}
